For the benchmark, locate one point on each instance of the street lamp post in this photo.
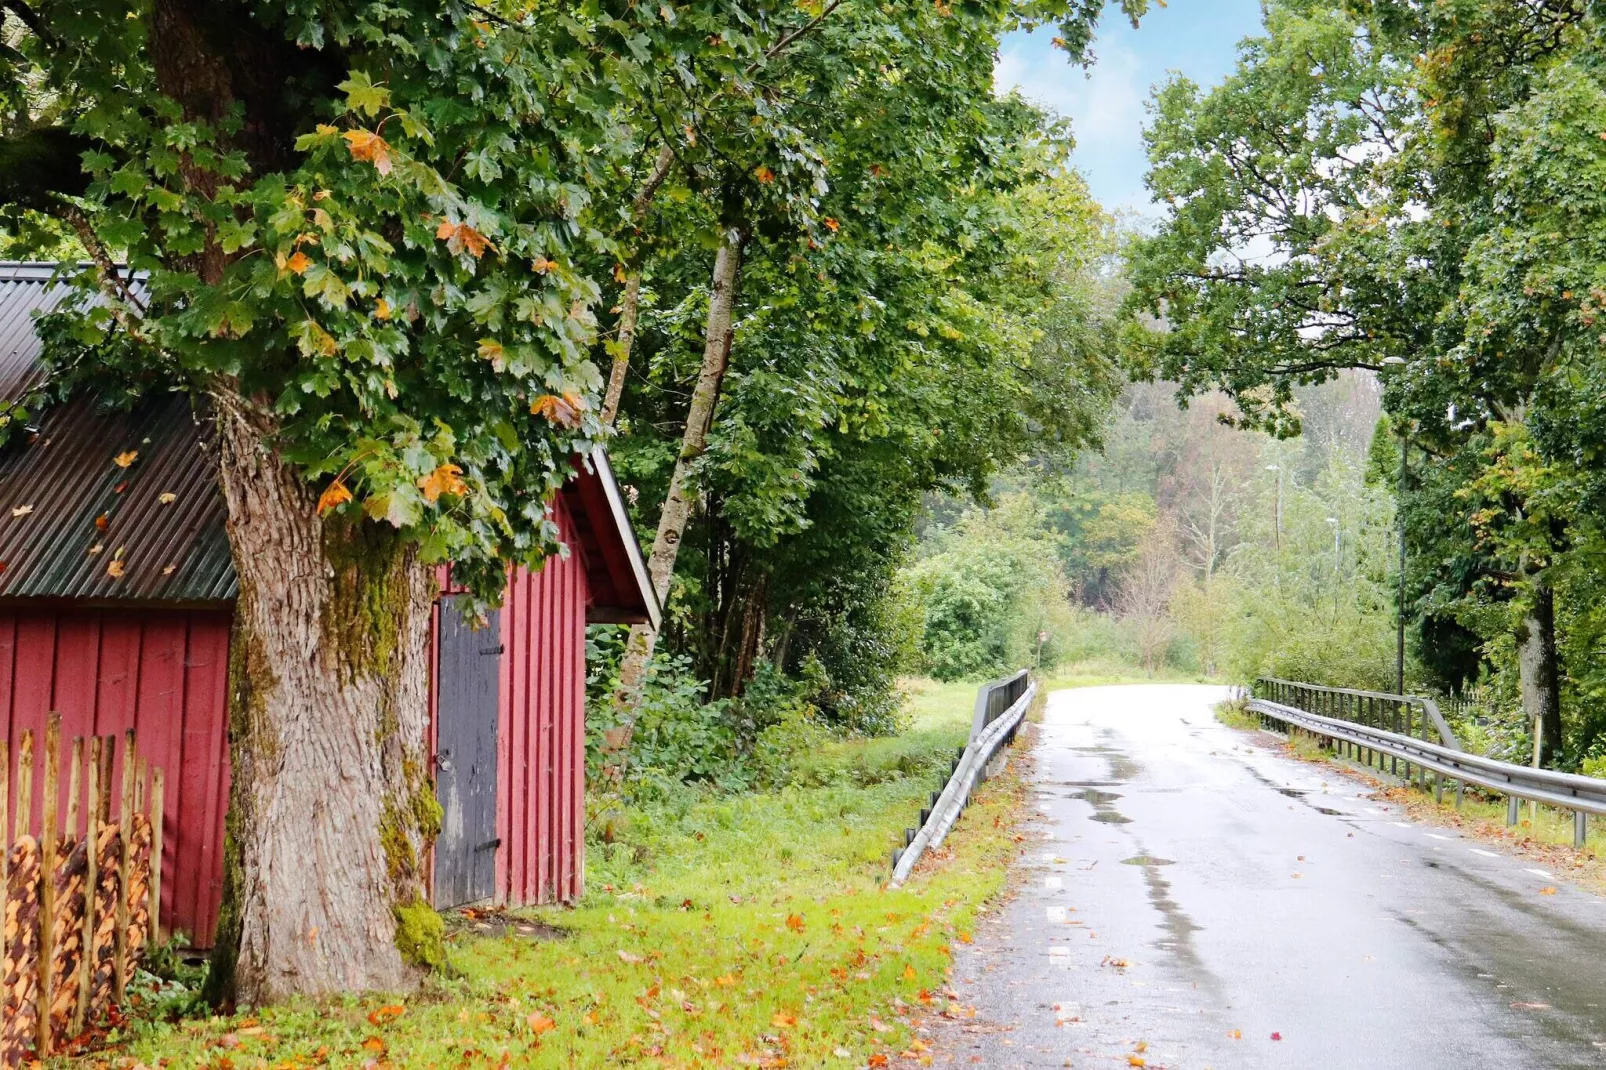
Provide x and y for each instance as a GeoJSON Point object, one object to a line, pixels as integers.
{"type": "Point", "coordinates": [1279, 512]}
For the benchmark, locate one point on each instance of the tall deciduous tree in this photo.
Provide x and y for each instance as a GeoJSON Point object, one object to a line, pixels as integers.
{"type": "Point", "coordinates": [1334, 205]}
{"type": "Point", "coordinates": [357, 234]}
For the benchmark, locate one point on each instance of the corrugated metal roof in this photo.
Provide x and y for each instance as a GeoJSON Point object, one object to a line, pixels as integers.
{"type": "Point", "coordinates": [163, 527]}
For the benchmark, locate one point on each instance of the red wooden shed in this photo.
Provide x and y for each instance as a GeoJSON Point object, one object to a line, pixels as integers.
{"type": "Point", "coordinates": [145, 645]}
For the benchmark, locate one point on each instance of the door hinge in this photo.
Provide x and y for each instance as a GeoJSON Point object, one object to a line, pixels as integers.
{"type": "Point", "coordinates": [499, 648]}
{"type": "Point", "coordinates": [490, 845]}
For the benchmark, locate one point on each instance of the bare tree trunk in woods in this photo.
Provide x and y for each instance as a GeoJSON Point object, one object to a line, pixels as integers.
{"type": "Point", "coordinates": [682, 495]}
{"type": "Point", "coordinates": [630, 305]}
{"type": "Point", "coordinates": [629, 311]}
{"type": "Point", "coordinates": [1540, 672]}
{"type": "Point", "coordinates": [754, 616]}
{"type": "Point", "coordinates": [332, 807]}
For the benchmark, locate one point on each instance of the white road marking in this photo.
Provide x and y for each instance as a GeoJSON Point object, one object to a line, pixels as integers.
{"type": "Point", "coordinates": [1540, 873]}
{"type": "Point", "coordinates": [1401, 825]}
{"type": "Point", "coordinates": [1059, 951]}
{"type": "Point", "coordinates": [1436, 836]}
{"type": "Point", "coordinates": [1053, 884]}
{"type": "Point", "coordinates": [1056, 914]}
{"type": "Point", "coordinates": [1486, 854]}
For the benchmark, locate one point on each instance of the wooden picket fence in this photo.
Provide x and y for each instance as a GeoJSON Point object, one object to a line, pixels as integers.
{"type": "Point", "coordinates": [62, 898]}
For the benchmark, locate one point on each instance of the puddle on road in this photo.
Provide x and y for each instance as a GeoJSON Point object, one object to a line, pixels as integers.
{"type": "Point", "coordinates": [1146, 860]}
{"type": "Point", "coordinates": [1110, 817]}
{"type": "Point", "coordinates": [1097, 798]}
{"type": "Point", "coordinates": [1293, 793]}
{"type": "Point", "coordinates": [1330, 812]}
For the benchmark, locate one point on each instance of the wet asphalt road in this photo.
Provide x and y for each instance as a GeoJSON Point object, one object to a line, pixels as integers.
{"type": "Point", "coordinates": [1187, 890]}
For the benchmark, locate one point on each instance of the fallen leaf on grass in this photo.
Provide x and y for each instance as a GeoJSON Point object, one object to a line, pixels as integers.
{"type": "Point", "coordinates": [794, 922]}
{"type": "Point", "coordinates": [373, 1044]}
{"type": "Point", "coordinates": [540, 1023]}
{"type": "Point", "coordinates": [388, 1013]}
{"type": "Point", "coordinates": [782, 1020]}
{"type": "Point", "coordinates": [628, 958]}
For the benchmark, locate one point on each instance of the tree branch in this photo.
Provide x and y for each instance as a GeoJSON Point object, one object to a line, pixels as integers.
{"type": "Point", "coordinates": [30, 18]}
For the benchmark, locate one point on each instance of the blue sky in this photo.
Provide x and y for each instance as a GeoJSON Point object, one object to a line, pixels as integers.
{"type": "Point", "coordinates": [1106, 105]}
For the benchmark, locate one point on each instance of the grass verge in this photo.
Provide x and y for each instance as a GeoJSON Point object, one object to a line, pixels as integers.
{"type": "Point", "coordinates": [719, 931]}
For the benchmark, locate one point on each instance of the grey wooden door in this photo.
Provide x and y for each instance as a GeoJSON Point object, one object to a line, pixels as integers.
{"type": "Point", "coordinates": [469, 675]}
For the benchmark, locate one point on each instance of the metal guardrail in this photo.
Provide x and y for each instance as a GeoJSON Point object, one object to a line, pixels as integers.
{"type": "Point", "coordinates": [1000, 708]}
{"type": "Point", "coordinates": [994, 699]}
{"type": "Point", "coordinates": [1373, 744]}
{"type": "Point", "coordinates": [1409, 715]}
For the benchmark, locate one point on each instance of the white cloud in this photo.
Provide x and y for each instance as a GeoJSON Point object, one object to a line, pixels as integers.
{"type": "Point", "coordinates": [1105, 107]}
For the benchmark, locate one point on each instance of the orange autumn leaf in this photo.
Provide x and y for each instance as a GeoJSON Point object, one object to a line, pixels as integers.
{"type": "Point", "coordinates": [764, 175]}
{"type": "Point", "coordinates": [563, 411]}
{"type": "Point", "coordinates": [373, 1044]}
{"type": "Point", "coordinates": [123, 460]}
{"type": "Point", "coordinates": [1547, 891]}
{"type": "Point", "coordinates": [878, 1060]}
{"type": "Point", "coordinates": [370, 147]}
{"type": "Point", "coordinates": [541, 265]}
{"type": "Point", "coordinates": [832, 225]}
{"type": "Point", "coordinates": [102, 522]}
{"type": "Point", "coordinates": [299, 263]}
{"type": "Point", "coordinates": [782, 1020]}
{"type": "Point", "coordinates": [460, 237]}
{"type": "Point", "coordinates": [381, 309]}
{"type": "Point", "coordinates": [334, 495]}
{"type": "Point", "coordinates": [540, 1023]}
{"type": "Point", "coordinates": [387, 1013]}
{"type": "Point", "coordinates": [447, 479]}
{"type": "Point", "coordinates": [114, 569]}
{"type": "Point", "coordinates": [794, 922]}
{"type": "Point", "coordinates": [909, 972]}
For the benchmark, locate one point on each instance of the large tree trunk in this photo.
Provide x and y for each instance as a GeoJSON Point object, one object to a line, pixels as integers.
{"type": "Point", "coordinates": [1540, 672]}
{"type": "Point", "coordinates": [682, 496]}
{"type": "Point", "coordinates": [332, 808]}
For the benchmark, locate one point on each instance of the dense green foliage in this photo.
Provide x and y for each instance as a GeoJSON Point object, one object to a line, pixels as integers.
{"type": "Point", "coordinates": [1435, 221]}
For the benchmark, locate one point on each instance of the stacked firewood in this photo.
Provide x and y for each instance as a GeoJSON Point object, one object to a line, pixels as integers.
{"type": "Point", "coordinates": [72, 941]}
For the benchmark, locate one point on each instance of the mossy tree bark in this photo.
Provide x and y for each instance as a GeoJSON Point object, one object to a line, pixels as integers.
{"type": "Point", "coordinates": [331, 808]}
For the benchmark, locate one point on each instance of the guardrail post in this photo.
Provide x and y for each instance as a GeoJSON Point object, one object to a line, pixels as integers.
{"type": "Point", "coordinates": [1580, 828]}
{"type": "Point", "coordinates": [1513, 805]}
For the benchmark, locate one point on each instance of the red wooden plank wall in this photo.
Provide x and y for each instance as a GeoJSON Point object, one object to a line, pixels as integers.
{"type": "Point", "coordinates": [163, 673]}
{"type": "Point", "coordinates": [541, 757]}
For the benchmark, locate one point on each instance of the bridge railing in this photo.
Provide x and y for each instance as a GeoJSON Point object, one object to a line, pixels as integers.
{"type": "Point", "coordinates": [1000, 708]}
{"type": "Point", "coordinates": [1387, 731]}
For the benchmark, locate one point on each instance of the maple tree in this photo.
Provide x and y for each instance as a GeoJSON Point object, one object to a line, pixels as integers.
{"type": "Point", "coordinates": [370, 240]}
